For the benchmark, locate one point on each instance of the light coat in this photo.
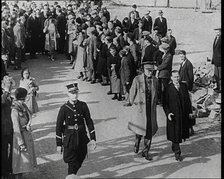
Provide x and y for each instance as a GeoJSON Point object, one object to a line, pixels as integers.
{"type": "Point", "coordinates": [137, 96]}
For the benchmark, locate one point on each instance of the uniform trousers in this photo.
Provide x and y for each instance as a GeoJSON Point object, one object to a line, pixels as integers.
{"type": "Point", "coordinates": [176, 148]}
{"type": "Point", "coordinates": [75, 158]}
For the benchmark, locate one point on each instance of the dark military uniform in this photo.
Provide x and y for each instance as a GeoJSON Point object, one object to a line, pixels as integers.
{"type": "Point", "coordinates": [71, 133]}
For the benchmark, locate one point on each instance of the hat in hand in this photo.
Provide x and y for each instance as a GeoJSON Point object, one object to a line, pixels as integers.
{"type": "Point", "coordinates": [72, 87]}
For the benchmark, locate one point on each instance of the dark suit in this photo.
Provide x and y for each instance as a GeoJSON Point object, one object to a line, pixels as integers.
{"type": "Point", "coordinates": [61, 26]}
{"type": "Point", "coordinates": [216, 60]}
{"type": "Point", "coordinates": [173, 45]}
{"type": "Point", "coordinates": [137, 16]}
{"type": "Point", "coordinates": [73, 133]}
{"type": "Point", "coordinates": [165, 69]}
{"type": "Point", "coordinates": [137, 34]}
{"type": "Point", "coordinates": [186, 74]}
{"type": "Point", "coordinates": [161, 25]}
{"type": "Point", "coordinates": [177, 102]}
{"type": "Point", "coordinates": [33, 28]}
{"type": "Point", "coordinates": [132, 25]}
{"type": "Point", "coordinates": [147, 24]}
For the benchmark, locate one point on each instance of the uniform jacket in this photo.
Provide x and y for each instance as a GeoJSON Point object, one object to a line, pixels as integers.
{"type": "Point", "coordinates": [161, 25]}
{"type": "Point", "coordinates": [147, 24]}
{"type": "Point", "coordinates": [77, 114]}
{"type": "Point", "coordinates": [216, 58]}
{"type": "Point", "coordinates": [137, 97]}
{"type": "Point", "coordinates": [165, 67]}
{"type": "Point", "coordinates": [186, 74]}
{"type": "Point", "coordinates": [178, 103]}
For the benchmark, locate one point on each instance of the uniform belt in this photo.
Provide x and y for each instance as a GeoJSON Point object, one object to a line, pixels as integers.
{"type": "Point", "coordinates": [76, 127]}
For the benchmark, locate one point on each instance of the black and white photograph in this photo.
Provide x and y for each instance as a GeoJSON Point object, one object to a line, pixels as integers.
{"type": "Point", "coordinates": [110, 89]}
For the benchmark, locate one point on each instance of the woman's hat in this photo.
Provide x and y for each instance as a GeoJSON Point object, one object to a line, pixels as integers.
{"type": "Point", "coordinates": [20, 93]}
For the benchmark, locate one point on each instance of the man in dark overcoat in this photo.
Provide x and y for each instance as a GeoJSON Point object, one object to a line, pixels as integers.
{"type": "Point", "coordinates": [71, 135]}
{"type": "Point", "coordinates": [186, 76]}
{"type": "Point", "coordinates": [161, 23]}
{"type": "Point", "coordinates": [143, 93]}
{"type": "Point", "coordinates": [216, 59]}
{"type": "Point", "coordinates": [33, 29]}
{"type": "Point", "coordinates": [177, 107]}
{"type": "Point", "coordinates": [147, 22]}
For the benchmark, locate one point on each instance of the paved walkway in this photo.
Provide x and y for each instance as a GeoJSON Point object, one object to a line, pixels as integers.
{"type": "Point", "coordinates": [114, 155]}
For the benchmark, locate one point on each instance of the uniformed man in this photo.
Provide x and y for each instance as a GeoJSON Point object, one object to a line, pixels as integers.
{"type": "Point", "coordinates": [71, 135]}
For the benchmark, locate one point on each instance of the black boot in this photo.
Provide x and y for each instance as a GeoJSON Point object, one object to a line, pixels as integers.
{"type": "Point", "coordinates": [115, 97]}
{"type": "Point", "coordinates": [145, 151]}
{"type": "Point", "coordinates": [137, 143]}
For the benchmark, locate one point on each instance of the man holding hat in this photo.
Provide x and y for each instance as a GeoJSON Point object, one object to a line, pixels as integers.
{"type": "Point", "coordinates": [71, 135]}
{"type": "Point", "coordinates": [143, 93]}
{"type": "Point", "coordinates": [161, 23]}
{"type": "Point", "coordinates": [216, 59]}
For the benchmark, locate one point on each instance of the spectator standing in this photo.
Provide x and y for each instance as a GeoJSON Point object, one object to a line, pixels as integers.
{"type": "Point", "coordinates": [171, 41]}
{"type": "Point", "coordinates": [164, 70]}
{"type": "Point", "coordinates": [147, 22]}
{"type": "Point", "coordinates": [161, 23]}
{"type": "Point", "coordinates": [61, 27]}
{"type": "Point", "coordinates": [216, 59]}
{"type": "Point", "coordinates": [33, 33]}
{"type": "Point", "coordinates": [51, 34]}
{"type": "Point", "coordinates": [23, 157]}
{"type": "Point", "coordinates": [114, 64]}
{"type": "Point", "coordinates": [29, 83]}
{"type": "Point", "coordinates": [186, 76]}
{"type": "Point", "coordinates": [135, 12]}
{"type": "Point", "coordinates": [19, 43]}
{"type": "Point", "coordinates": [132, 23]}
{"type": "Point", "coordinates": [6, 126]}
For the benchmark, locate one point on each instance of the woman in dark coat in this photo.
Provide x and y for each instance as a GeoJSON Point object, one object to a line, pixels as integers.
{"type": "Point", "coordinates": [102, 61]}
{"type": "Point", "coordinates": [177, 107]}
{"type": "Point", "coordinates": [114, 64]}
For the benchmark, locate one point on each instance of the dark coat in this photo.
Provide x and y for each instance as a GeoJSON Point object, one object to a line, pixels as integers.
{"type": "Point", "coordinates": [33, 26]}
{"type": "Point", "coordinates": [114, 60]}
{"type": "Point", "coordinates": [6, 120]}
{"type": "Point", "coordinates": [117, 23]}
{"type": "Point", "coordinates": [137, 16]}
{"type": "Point", "coordinates": [147, 24]}
{"type": "Point", "coordinates": [102, 60]}
{"type": "Point", "coordinates": [61, 24]}
{"type": "Point", "coordinates": [186, 74]}
{"type": "Point", "coordinates": [173, 45]}
{"type": "Point", "coordinates": [216, 58]}
{"type": "Point", "coordinates": [161, 25]}
{"type": "Point", "coordinates": [127, 69]}
{"type": "Point", "coordinates": [132, 26]}
{"type": "Point", "coordinates": [149, 53]}
{"type": "Point", "coordinates": [77, 114]}
{"type": "Point", "coordinates": [165, 67]}
{"type": "Point", "coordinates": [137, 34]}
{"type": "Point", "coordinates": [178, 103]}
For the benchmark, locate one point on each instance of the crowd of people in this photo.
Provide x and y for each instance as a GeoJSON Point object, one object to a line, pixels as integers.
{"type": "Point", "coordinates": [122, 54]}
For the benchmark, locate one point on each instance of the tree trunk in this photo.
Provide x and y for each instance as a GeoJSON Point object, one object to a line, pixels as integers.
{"type": "Point", "coordinates": [154, 3]}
